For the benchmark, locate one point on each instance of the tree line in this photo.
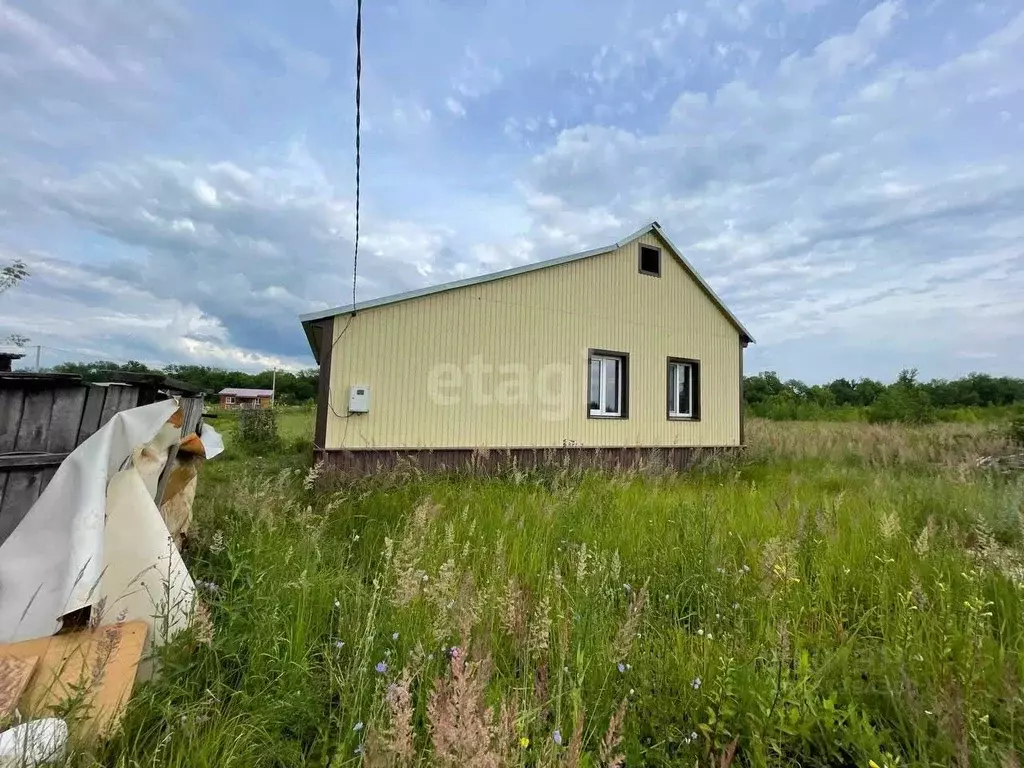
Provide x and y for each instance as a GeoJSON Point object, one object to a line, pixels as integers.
{"type": "Point", "coordinates": [907, 399]}
{"type": "Point", "coordinates": [291, 388]}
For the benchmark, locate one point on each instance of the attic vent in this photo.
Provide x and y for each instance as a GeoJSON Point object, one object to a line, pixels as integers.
{"type": "Point", "coordinates": [650, 261]}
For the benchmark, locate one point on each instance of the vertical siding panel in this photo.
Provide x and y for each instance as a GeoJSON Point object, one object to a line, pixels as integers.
{"type": "Point", "coordinates": [552, 315]}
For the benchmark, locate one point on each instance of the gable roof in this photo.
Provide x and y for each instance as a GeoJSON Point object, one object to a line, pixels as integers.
{"type": "Point", "coordinates": [309, 320]}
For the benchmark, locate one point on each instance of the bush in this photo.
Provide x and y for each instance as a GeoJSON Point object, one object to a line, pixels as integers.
{"type": "Point", "coordinates": [257, 428]}
{"type": "Point", "coordinates": [1016, 429]}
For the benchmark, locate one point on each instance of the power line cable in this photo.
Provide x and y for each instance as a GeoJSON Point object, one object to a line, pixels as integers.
{"type": "Point", "coordinates": [358, 167]}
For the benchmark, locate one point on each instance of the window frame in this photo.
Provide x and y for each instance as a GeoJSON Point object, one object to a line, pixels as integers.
{"type": "Point", "coordinates": [640, 260]}
{"type": "Point", "coordinates": [695, 389]}
{"type": "Point", "coordinates": [229, 399]}
{"type": "Point", "coordinates": [623, 389]}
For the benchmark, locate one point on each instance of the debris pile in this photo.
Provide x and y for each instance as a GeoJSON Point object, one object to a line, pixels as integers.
{"type": "Point", "coordinates": [92, 580]}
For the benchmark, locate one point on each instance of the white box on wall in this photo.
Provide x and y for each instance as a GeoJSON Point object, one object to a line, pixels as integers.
{"type": "Point", "coordinates": [359, 398]}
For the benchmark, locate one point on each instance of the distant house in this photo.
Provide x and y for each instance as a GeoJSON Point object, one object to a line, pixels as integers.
{"type": "Point", "coordinates": [612, 356]}
{"type": "Point", "coordinates": [235, 397]}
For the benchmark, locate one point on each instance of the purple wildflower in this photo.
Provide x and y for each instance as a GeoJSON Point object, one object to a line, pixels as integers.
{"type": "Point", "coordinates": [381, 667]}
{"type": "Point", "coordinates": [557, 737]}
{"type": "Point", "coordinates": [622, 667]}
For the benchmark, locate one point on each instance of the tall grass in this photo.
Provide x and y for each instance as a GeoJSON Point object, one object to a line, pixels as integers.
{"type": "Point", "coordinates": [844, 594]}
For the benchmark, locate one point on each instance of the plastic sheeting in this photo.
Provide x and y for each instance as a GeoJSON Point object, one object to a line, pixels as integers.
{"type": "Point", "coordinates": [81, 546]}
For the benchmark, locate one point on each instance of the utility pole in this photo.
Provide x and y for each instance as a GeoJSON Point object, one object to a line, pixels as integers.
{"type": "Point", "coordinates": [39, 350]}
{"type": "Point", "coordinates": [273, 388]}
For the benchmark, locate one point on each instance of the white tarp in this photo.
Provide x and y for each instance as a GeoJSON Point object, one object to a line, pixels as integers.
{"type": "Point", "coordinates": [63, 556]}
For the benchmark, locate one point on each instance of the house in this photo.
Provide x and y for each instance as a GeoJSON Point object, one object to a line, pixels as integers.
{"type": "Point", "coordinates": [613, 356]}
{"type": "Point", "coordinates": [235, 397]}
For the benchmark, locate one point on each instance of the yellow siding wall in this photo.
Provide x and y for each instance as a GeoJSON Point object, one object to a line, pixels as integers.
{"type": "Point", "coordinates": [550, 317]}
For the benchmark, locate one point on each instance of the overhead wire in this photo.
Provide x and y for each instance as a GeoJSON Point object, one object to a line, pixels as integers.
{"type": "Point", "coordinates": [358, 168]}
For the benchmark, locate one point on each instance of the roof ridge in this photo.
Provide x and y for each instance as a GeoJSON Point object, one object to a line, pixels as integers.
{"type": "Point", "coordinates": [651, 226]}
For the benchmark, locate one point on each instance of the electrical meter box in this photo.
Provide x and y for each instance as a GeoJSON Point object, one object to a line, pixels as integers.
{"type": "Point", "coordinates": [359, 398]}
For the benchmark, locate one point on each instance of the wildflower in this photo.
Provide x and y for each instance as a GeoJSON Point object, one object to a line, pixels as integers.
{"type": "Point", "coordinates": [627, 588]}
{"type": "Point", "coordinates": [622, 667]}
{"type": "Point", "coordinates": [720, 569]}
{"type": "Point", "coordinates": [358, 726]}
{"type": "Point", "coordinates": [744, 569]}
{"type": "Point", "coordinates": [430, 657]}
{"type": "Point", "coordinates": [394, 635]}
{"type": "Point", "coordinates": [631, 691]}
{"type": "Point", "coordinates": [524, 742]}
{"type": "Point", "coordinates": [381, 667]}
{"type": "Point", "coordinates": [710, 636]}
{"type": "Point", "coordinates": [454, 652]}
{"type": "Point", "coordinates": [337, 603]}
{"type": "Point", "coordinates": [629, 666]}
{"type": "Point", "coordinates": [359, 750]}
{"type": "Point", "coordinates": [696, 683]}
{"type": "Point", "coordinates": [693, 736]}
{"type": "Point", "coordinates": [700, 632]}
{"type": "Point", "coordinates": [718, 615]}
{"type": "Point", "coordinates": [735, 606]}
{"type": "Point", "coordinates": [557, 737]}
{"type": "Point", "coordinates": [356, 537]}
{"type": "Point", "coordinates": [339, 644]}
{"type": "Point", "coordinates": [426, 578]}
{"type": "Point", "coordinates": [566, 670]}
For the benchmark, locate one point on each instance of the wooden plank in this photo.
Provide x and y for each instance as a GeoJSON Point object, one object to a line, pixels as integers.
{"type": "Point", "coordinates": [48, 473]}
{"type": "Point", "coordinates": [111, 404]}
{"type": "Point", "coordinates": [11, 403]}
{"type": "Point", "coordinates": [31, 460]}
{"type": "Point", "coordinates": [97, 667]}
{"type": "Point", "coordinates": [65, 419]}
{"type": "Point", "coordinates": [14, 676]}
{"type": "Point", "coordinates": [27, 379]}
{"type": "Point", "coordinates": [192, 412]}
{"type": "Point", "coordinates": [92, 412]}
{"type": "Point", "coordinates": [20, 494]}
{"type": "Point", "coordinates": [35, 421]}
{"type": "Point", "coordinates": [129, 398]}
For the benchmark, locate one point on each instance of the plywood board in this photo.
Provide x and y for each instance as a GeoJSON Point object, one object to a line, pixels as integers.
{"type": "Point", "coordinates": [14, 676]}
{"type": "Point", "coordinates": [103, 662]}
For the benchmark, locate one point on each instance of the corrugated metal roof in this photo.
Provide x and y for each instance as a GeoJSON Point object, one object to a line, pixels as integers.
{"type": "Point", "coordinates": [240, 392]}
{"type": "Point", "coordinates": [308, 319]}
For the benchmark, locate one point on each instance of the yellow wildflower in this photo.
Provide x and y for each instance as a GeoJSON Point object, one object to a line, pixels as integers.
{"type": "Point", "coordinates": [525, 742]}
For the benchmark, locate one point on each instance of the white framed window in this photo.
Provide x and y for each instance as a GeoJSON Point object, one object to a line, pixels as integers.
{"type": "Point", "coordinates": [607, 378]}
{"type": "Point", "coordinates": [229, 400]}
{"type": "Point", "coordinates": [683, 389]}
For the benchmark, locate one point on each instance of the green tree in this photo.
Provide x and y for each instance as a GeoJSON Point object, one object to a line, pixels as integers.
{"type": "Point", "coordinates": [10, 276]}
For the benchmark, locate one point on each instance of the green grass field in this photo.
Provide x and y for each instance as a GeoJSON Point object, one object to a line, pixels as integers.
{"type": "Point", "coordinates": [843, 594]}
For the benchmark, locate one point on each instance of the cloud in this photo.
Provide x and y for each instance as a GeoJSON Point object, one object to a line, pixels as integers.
{"type": "Point", "coordinates": [454, 106]}
{"type": "Point", "coordinates": [833, 224]}
{"type": "Point", "coordinates": [180, 174]}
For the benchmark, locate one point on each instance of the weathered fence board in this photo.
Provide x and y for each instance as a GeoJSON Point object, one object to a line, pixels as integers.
{"type": "Point", "coordinates": [44, 417]}
{"type": "Point", "coordinates": [91, 414]}
{"type": "Point", "coordinates": [65, 419]}
{"type": "Point", "coordinates": [11, 402]}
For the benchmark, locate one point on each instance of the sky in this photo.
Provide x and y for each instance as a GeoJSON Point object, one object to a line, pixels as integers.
{"type": "Point", "coordinates": [848, 175]}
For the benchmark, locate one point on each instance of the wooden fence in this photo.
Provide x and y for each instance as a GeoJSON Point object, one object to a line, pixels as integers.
{"type": "Point", "coordinates": [43, 417]}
